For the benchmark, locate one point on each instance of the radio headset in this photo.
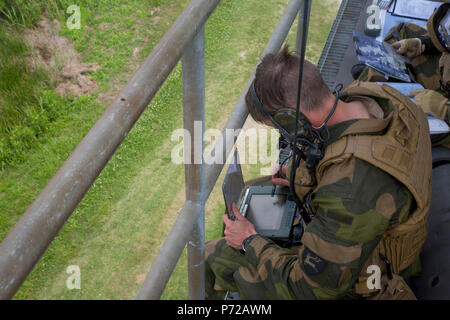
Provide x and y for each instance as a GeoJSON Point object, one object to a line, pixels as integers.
{"type": "Point", "coordinates": [306, 142]}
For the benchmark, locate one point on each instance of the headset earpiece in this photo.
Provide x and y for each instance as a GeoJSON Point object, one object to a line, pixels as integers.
{"type": "Point", "coordinates": [285, 117]}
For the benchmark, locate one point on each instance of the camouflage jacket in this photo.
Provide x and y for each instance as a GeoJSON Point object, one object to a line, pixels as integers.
{"type": "Point", "coordinates": [355, 203]}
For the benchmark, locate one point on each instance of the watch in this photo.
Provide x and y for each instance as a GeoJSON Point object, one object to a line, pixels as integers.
{"type": "Point", "coordinates": [247, 241]}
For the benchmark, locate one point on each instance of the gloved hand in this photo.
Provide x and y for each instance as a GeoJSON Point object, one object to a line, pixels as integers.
{"type": "Point", "coordinates": [410, 48]}
{"type": "Point", "coordinates": [431, 102]}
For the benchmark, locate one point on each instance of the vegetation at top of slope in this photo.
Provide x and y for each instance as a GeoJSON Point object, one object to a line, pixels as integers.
{"type": "Point", "coordinates": [26, 84]}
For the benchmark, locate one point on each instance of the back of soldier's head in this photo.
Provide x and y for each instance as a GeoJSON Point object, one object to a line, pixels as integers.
{"type": "Point", "coordinates": [276, 84]}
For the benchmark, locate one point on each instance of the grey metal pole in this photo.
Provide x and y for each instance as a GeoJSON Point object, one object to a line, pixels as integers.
{"type": "Point", "coordinates": [190, 224]}
{"type": "Point", "coordinates": [240, 112]}
{"type": "Point", "coordinates": [193, 75]}
{"type": "Point", "coordinates": [298, 41]}
{"type": "Point", "coordinates": [165, 262]}
{"type": "Point", "coordinates": [30, 237]}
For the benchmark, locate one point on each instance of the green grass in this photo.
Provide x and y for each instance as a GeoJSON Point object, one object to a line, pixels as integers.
{"type": "Point", "coordinates": [24, 13]}
{"type": "Point", "coordinates": [116, 231]}
{"type": "Point", "coordinates": [22, 117]}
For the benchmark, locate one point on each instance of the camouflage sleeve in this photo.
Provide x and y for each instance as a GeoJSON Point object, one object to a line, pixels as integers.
{"type": "Point", "coordinates": [353, 209]}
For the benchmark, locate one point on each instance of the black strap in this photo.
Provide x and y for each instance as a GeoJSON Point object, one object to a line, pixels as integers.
{"type": "Point", "coordinates": [267, 114]}
{"type": "Point", "coordinates": [297, 153]}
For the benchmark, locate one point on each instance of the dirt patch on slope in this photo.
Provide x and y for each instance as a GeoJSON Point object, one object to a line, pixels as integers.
{"type": "Point", "coordinates": [58, 57]}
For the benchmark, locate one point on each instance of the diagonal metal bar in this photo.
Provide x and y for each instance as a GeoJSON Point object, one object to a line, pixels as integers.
{"type": "Point", "coordinates": [298, 41]}
{"type": "Point", "coordinates": [175, 242]}
{"type": "Point", "coordinates": [237, 118]}
{"type": "Point", "coordinates": [190, 223]}
{"type": "Point", "coordinates": [30, 237]}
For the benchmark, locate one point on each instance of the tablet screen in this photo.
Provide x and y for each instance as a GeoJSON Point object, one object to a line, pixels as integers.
{"type": "Point", "coordinates": [266, 212]}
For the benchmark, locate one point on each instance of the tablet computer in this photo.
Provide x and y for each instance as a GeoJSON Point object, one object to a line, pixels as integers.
{"type": "Point", "coordinates": [271, 213]}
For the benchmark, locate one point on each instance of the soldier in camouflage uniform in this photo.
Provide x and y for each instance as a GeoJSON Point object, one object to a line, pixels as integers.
{"type": "Point", "coordinates": [429, 57]}
{"type": "Point", "coordinates": [371, 194]}
{"type": "Point", "coordinates": [430, 60]}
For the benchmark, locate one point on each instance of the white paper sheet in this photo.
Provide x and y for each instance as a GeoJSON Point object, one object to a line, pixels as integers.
{"type": "Point", "coordinates": [419, 9]}
{"type": "Point", "coordinates": [437, 126]}
{"type": "Point", "coordinates": [403, 87]}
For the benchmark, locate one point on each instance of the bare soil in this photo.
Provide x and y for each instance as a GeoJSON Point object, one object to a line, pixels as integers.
{"type": "Point", "coordinates": [58, 57]}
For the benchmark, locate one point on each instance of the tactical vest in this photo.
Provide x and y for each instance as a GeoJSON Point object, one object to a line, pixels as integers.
{"type": "Point", "coordinates": [403, 151]}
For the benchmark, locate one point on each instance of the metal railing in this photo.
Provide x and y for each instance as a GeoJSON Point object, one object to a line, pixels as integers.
{"type": "Point", "coordinates": [33, 233]}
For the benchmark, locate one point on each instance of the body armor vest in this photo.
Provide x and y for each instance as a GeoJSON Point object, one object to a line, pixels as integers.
{"type": "Point", "coordinates": [403, 151]}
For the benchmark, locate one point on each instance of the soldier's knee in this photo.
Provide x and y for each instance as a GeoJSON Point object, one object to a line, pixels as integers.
{"type": "Point", "coordinates": [212, 246]}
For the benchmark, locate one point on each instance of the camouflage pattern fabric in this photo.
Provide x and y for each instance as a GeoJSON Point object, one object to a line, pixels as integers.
{"type": "Point", "coordinates": [228, 269]}
{"type": "Point", "coordinates": [425, 67]}
{"type": "Point", "coordinates": [354, 202]}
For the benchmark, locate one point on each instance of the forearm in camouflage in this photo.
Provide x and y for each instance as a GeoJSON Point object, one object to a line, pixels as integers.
{"type": "Point", "coordinates": [352, 213]}
{"type": "Point", "coordinates": [305, 275]}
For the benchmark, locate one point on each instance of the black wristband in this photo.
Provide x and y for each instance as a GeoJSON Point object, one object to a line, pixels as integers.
{"type": "Point", "coordinates": [247, 241]}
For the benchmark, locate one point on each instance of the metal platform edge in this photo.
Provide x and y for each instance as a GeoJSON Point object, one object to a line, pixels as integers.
{"type": "Point", "coordinates": [339, 37]}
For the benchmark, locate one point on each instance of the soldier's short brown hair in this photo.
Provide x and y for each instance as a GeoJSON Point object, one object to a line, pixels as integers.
{"type": "Point", "coordinates": [276, 83]}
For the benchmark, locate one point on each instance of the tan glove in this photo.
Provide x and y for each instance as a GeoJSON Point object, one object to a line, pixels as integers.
{"type": "Point", "coordinates": [410, 48]}
{"type": "Point", "coordinates": [431, 102]}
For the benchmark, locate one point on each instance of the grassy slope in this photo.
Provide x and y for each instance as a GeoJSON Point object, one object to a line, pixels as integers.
{"type": "Point", "coordinates": [116, 231]}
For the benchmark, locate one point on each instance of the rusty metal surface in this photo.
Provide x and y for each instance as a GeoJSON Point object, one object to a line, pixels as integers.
{"type": "Point", "coordinates": [30, 237]}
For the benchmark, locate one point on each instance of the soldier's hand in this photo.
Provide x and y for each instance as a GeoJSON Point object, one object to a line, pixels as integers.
{"type": "Point", "coordinates": [238, 230]}
{"type": "Point", "coordinates": [277, 179]}
{"type": "Point", "coordinates": [410, 48]}
{"type": "Point", "coordinates": [431, 102]}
